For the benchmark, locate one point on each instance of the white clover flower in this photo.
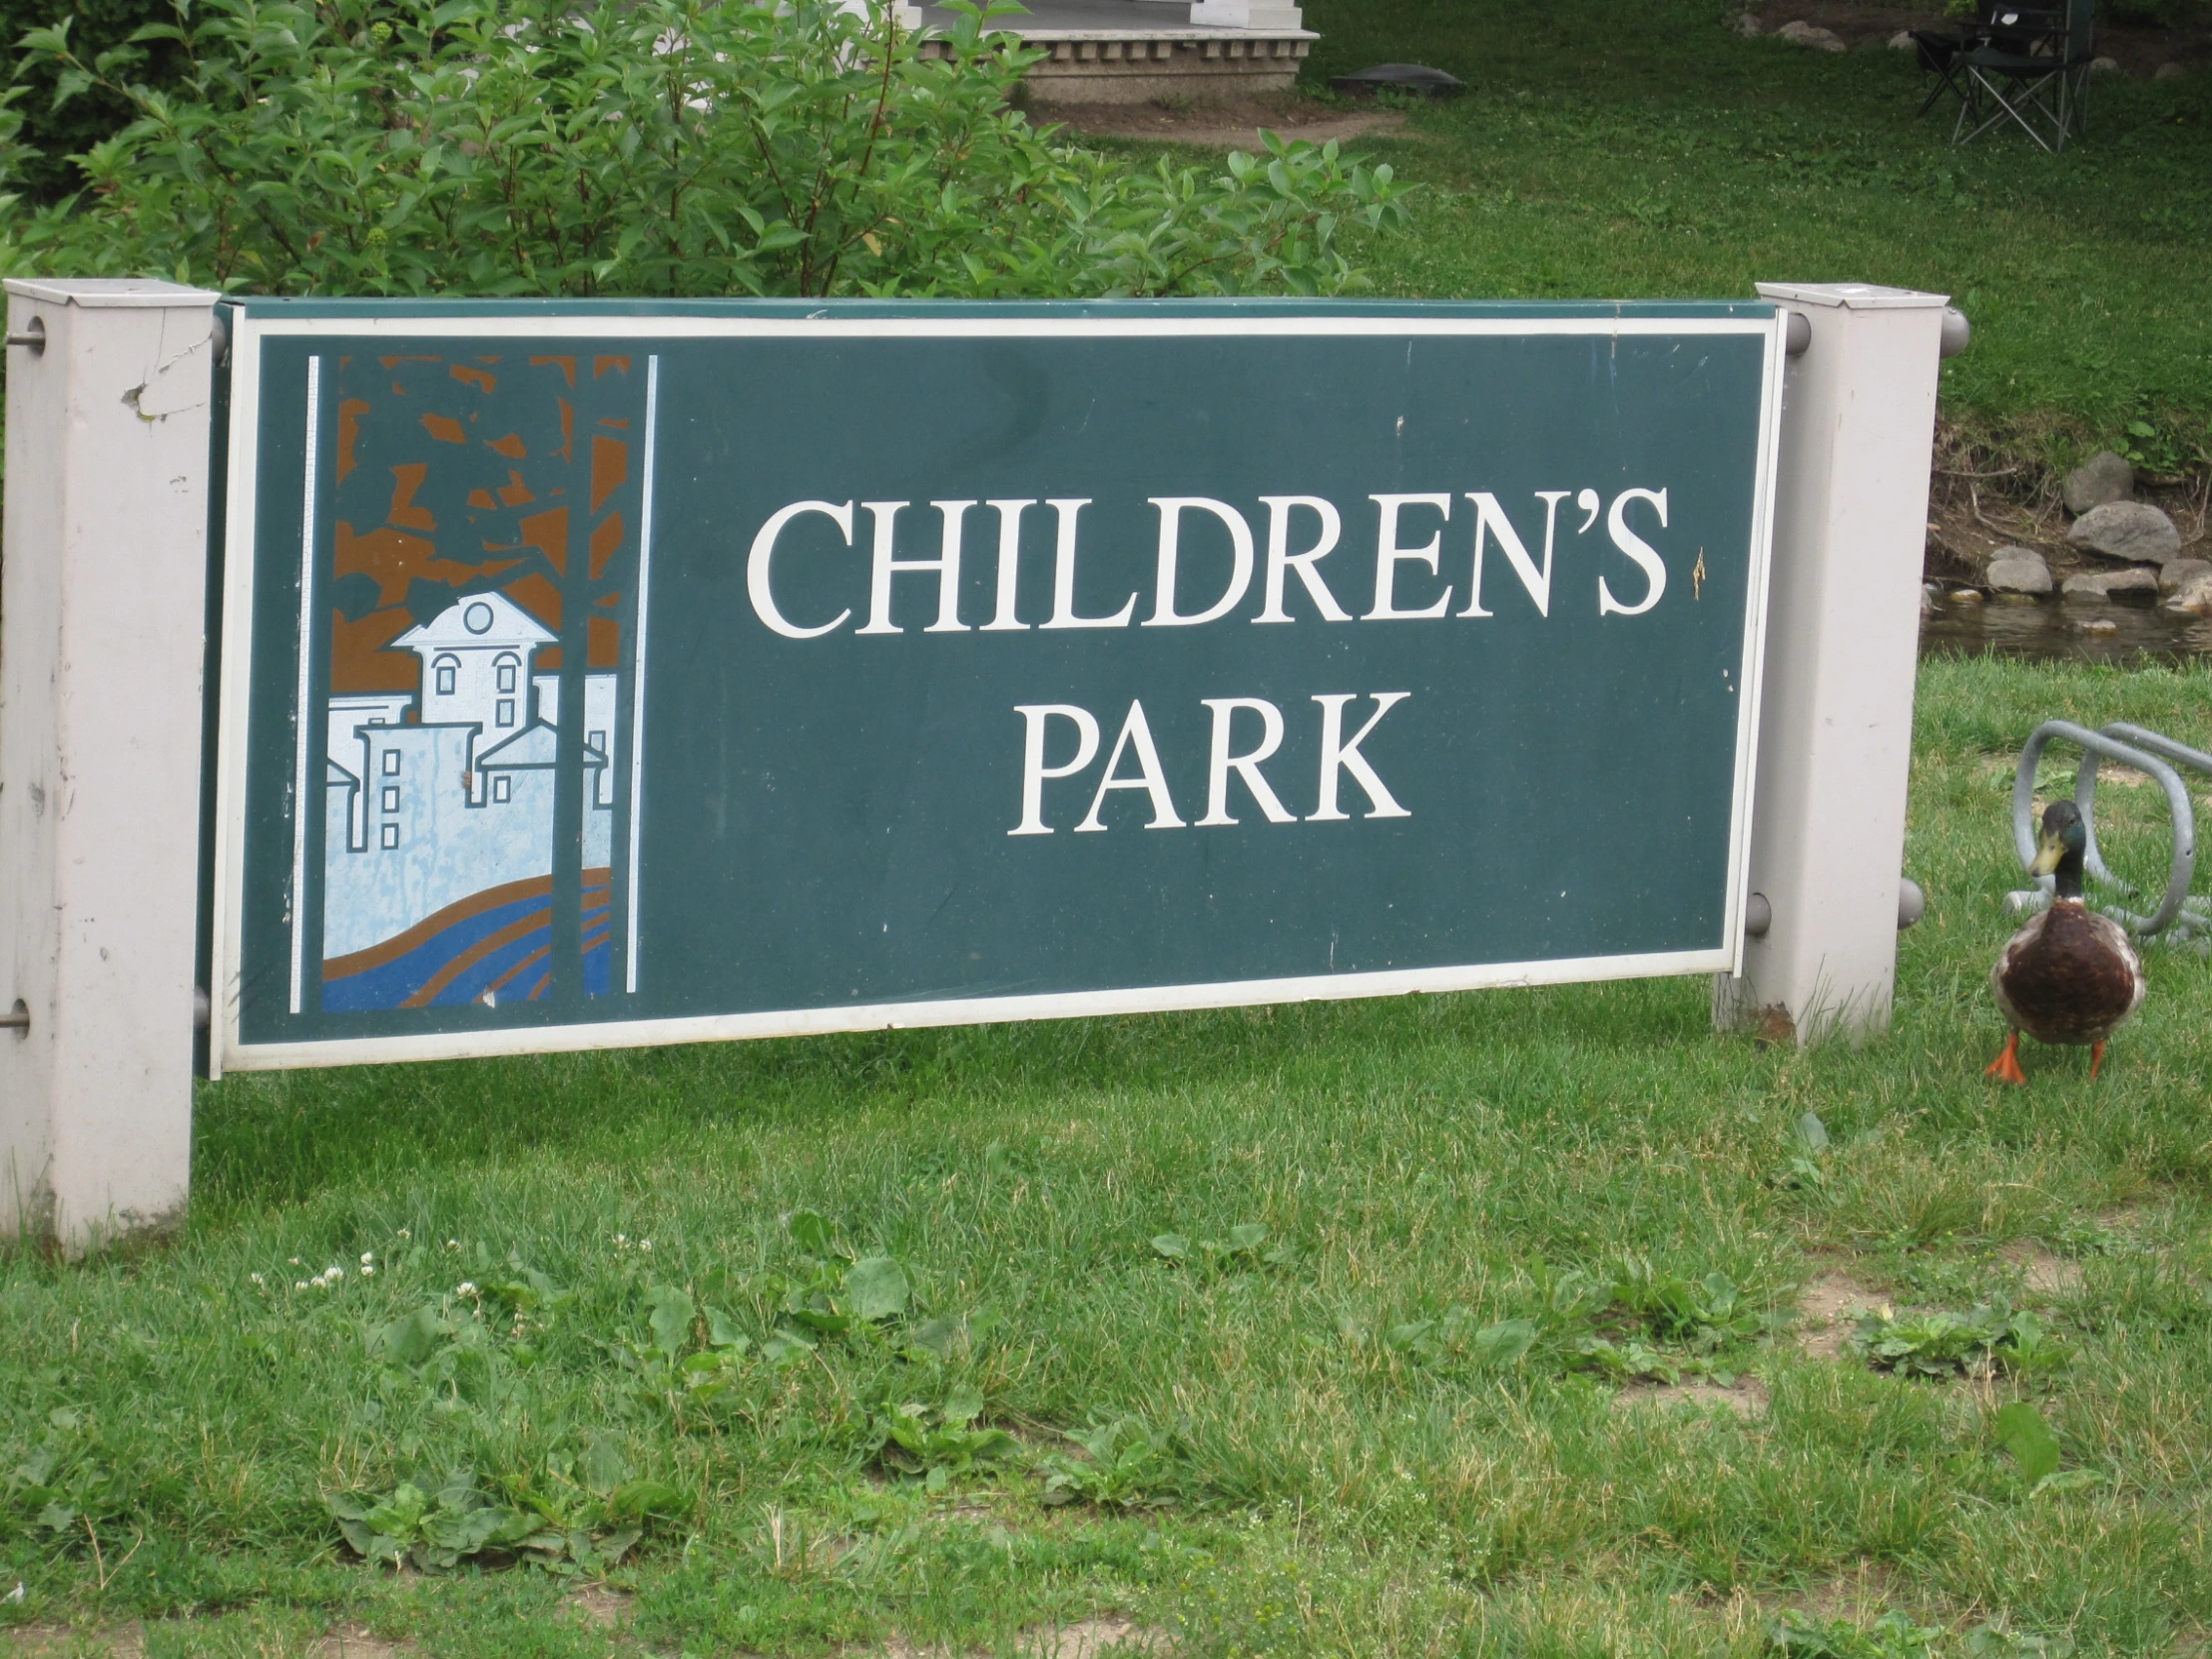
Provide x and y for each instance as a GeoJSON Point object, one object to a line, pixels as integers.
{"type": "Point", "coordinates": [368, 1256]}
{"type": "Point", "coordinates": [256, 1277]}
{"type": "Point", "coordinates": [369, 1273]}
{"type": "Point", "coordinates": [646, 1245]}
{"type": "Point", "coordinates": [405, 1234]}
{"type": "Point", "coordinates": [295, 1260]}
{"type": "Point", "coordinates": [452, 1243]}
{"type": "Point", "coordinates": [464, 1287]}
{"type": "Point", "coordinates": [298, 1284]}
{"type": "Point", "coordinates": [333, 1272]}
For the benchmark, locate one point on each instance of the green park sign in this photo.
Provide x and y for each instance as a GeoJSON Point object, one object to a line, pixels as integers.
{"type": "Point", "coordinates": [623, 673]}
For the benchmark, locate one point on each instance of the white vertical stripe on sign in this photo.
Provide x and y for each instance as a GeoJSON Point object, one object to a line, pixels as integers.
{"type": "Point", "coordinates": [637, 674]}
{"type": "Point", "coordinates": [299, 795]}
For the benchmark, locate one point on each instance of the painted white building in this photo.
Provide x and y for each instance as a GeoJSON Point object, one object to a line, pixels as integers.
{"type": "Point", "coordinates": [422, 813]}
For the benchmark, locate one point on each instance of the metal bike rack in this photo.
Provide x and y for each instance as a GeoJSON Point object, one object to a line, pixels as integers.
{"type": "Point", "coordinates": [2179, 917]}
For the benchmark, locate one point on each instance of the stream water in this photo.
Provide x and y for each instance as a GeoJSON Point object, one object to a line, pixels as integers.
{"type": "Point", "coordinates": [2052, 629]}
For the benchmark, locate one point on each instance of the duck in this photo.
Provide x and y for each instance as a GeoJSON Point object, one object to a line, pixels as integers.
{"type": "Point", "coordinates": [2069, 976]}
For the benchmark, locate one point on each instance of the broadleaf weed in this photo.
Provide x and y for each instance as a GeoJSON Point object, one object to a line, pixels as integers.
{"type": "Point", "coordinates": [1126, 1463]}
{"type": "Point", "coordinates": [1984, 1339]}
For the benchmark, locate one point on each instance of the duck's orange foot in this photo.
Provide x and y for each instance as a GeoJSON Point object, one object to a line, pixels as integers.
{"type": "Point", "coordinates": [2006, 1068]}
{"type": "Point", "coordinates": [2096, 1059]}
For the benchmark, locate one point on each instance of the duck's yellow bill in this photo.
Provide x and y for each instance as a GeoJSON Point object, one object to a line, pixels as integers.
{"type": "Point", "coordinates": [2047, 854]}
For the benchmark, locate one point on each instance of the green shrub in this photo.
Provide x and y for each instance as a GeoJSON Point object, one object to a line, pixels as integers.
{"type": "Point", "coordinates": [676, 147]}
{"type": "Point", "coordinates": [95, 26]}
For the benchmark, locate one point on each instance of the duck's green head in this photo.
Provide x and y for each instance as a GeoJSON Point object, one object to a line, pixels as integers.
{"type": "Point", "coordinates": [2066, 838]}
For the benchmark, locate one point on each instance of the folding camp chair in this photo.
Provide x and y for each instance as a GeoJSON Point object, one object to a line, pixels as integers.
{"type": "Point", "coordinates": [2041, 82]}
{"type": "Point", "coordinates": [1942, 54]}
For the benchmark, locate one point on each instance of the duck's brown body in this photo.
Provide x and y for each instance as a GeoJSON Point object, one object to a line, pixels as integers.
{"type": "Point", "coordinates": [2068, 976]}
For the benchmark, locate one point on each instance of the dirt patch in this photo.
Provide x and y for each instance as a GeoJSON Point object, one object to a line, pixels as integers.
{"type": "Point", "coordinates": [2139, 49]}
{"type": "Point", "coordinates": [2042, 1273]}
{"type": "Point", "coordinates": [353, 1641]}
{"type": "Point", "coordinates": [598, 1606]}
{"type": "Point", "coordinates": [1861, 1595]}
{"type": "Point", "coordinates": [2132, 1217]}
{"type": "Point", "coordinates": [1092, 1638]}
{"type": "Point", "coordinates": [970, 1514]}
{"type": "Point", "coordinates": [1747, 1399]}
{"type": "Point", "coordinates": [1229, 125]}
{"type": "Point", "coordinates": [1827, 1309]}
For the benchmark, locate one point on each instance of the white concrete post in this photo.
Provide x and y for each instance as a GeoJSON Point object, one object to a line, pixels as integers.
{"type": "Point", "coordinates": [1843, 639]}
{"type": "Point", "coordinates": [103, 594]}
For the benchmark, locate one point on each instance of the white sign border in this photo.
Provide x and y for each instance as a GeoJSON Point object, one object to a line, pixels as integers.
{"type": "Point", "coordinates": [229, 1051]}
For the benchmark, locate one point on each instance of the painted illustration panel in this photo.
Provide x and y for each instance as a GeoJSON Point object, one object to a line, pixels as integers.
{"type": "Point", "coordinates": [478, 599]}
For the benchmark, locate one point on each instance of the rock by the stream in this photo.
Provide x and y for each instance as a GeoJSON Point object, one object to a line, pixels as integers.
{"type": "Point", "coordinates": [2196, 598]}
{"type": "Point", "coordinates": [2132, 530]}
{"type": "Point", "coordinates": [1747, 24]}
{"type": "Point", "coordinates": [2017, 570]}
{"type": "Point", "coordinates": [1809, 34]}
{"type": "Point", "coordinates": [2103, 477]}
{"type": "Point", "coordinates": [2181, 573]}
{"type": "Point", "coordinates": [2169, 72]}
{"type": "Point", "coordinates": [2103, 584]}
{"type": "Point", "coordinates": [1902, 41]}
{"type": "Point", "coordinates": [2104, 66]}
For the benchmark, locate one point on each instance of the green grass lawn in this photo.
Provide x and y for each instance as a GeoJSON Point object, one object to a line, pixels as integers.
{"type": "Point", "coordinates": [1609, 150]}
{"type": "Point", "coordinates": [1400, 1421]}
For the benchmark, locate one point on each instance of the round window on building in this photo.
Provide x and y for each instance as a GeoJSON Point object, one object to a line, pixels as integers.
{"type": "Point", "coordinates": [477, 618]}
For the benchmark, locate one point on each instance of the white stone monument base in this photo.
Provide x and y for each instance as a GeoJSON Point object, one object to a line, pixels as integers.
{"type": "Point", "coordinates": [1130, 66]}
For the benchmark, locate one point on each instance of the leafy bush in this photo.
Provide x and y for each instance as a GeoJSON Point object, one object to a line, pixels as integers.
{"type": "Point", "coordinates": [673, 148]}
{"type": "Point", "coordinates": [81, 122]}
